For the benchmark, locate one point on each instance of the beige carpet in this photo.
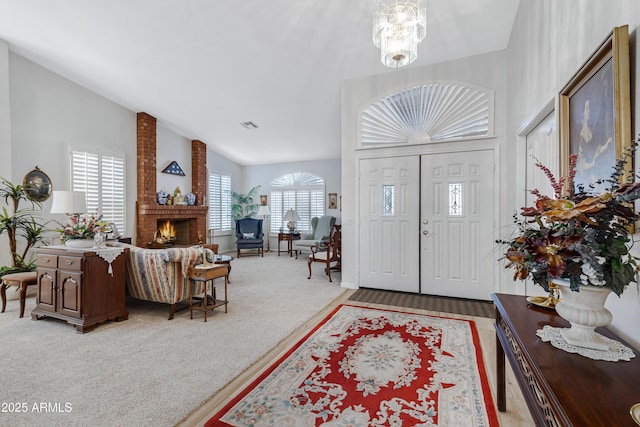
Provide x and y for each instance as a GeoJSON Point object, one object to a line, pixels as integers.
{"type": "Point", "coordinates": [148, 371]}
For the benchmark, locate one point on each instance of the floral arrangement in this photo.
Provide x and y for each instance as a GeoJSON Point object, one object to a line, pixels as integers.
{"type": "Point", "coordinates": [83, 226]}
{"type": "Point", "coordinates": [579, 236]}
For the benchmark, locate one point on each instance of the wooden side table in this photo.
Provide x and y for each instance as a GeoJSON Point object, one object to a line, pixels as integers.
{"type": "Point", "coordinates": [226, 260]}
{"type": "Point", "coordinates": [206, 274]}
{"type": "Point", "coordinates": [289, 238]}
{"type": "Point", "coordinates": [560, 388]}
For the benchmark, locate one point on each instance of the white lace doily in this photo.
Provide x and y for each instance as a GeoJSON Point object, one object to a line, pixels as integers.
{"type": "Point", "coordinates": [618, 351]}
{"type": "Point", "coordinates": [109, 255]}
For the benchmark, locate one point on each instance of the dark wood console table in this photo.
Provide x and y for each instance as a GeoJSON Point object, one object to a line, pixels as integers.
{"type": "Point", "coordinates": [560, 388]}
{"type": "Point", "coordinates": [77, 286]}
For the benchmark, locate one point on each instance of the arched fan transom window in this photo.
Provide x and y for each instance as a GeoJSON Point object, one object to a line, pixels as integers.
{"type": "Point", "coordinates": [431, 113]}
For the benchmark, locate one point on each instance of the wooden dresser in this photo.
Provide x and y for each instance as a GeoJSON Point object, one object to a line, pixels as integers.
{"type": "Point", "coordinates": [561, 389]}
{"type": "Point", "coordinates": [78, 286]}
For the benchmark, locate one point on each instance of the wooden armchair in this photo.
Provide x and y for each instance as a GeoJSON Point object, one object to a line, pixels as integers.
{"type": "Point", "coordinates": [329, 254]}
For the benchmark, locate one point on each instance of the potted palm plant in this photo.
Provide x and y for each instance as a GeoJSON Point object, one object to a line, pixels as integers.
{"type": "Point", "coordinates": [21, 224]}
{"type": "Point", "coordinates": [244, 205]}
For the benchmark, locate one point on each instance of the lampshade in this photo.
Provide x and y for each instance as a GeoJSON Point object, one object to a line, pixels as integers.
{"type": "Point", "coordinates": [263, 210]}
{"type": "Point", "coordinates": [398, 27]}
{"type": "Point", "coordinates": [68, 202]}
{"type": "Point", "coordinates": [291, 215]}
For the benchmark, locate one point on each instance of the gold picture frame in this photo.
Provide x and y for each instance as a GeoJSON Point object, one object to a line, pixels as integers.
{"type": "Point", "coordinates": [333, 200]}
{"type": "Point", "coordinates": [595, 113]}
{"type": "Point", "coordinates": [263, 200]}
{"type": "Point", "coordinates": [37, 185]}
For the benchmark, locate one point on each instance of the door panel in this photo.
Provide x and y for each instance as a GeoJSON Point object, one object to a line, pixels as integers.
{"type": "Point", "coordinates": [69, 283]}
{"type": "Point", "coordinates": [457, 209]}
{"type": "Point", "coordinates": [389, 234]}
{"type": "Point", "coordinates": [47, 289]}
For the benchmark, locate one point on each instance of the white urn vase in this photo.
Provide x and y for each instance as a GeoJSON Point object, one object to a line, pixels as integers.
{"type": "Point", "coordinates": [585, 310]}
{"type": "Point", "coordinates": [79, 243]}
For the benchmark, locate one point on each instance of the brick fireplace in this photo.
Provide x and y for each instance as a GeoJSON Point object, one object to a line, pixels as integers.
{"type": "Point", "coordinates": [148, 211]}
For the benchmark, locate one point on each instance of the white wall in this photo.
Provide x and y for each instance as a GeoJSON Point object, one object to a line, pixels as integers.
{"type": "Point", "coordinates": [488, 71]}
{"type": "Point", "coordinates": [50, 115]}
{"type": "Point", "coordinates": [6, 165]}
{"type": "Point", "coordinates": [217, 163]}
{"type": "Point", "coordinates": [550, 41]}
{"type": "Point", "coordinates": [172, 147]}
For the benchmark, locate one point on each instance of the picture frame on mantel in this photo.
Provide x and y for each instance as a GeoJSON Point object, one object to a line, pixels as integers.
{"type": "Point", "coordinates": [595, 113]}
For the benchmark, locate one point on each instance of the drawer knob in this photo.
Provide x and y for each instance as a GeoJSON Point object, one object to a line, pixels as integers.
{"type": "Point", "coordinates": [68, 262]}
{"type": "Point", "coordinates": [45, 259]}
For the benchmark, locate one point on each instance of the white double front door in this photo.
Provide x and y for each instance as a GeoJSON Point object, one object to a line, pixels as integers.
{"type": "Point", "coordinates": [427, 224]}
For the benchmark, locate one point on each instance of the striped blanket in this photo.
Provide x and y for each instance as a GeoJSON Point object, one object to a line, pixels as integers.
{"type": "Point", "coordinates": [161, 274]}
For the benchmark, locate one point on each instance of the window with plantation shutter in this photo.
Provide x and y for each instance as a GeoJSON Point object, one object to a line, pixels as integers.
{"type": "Point", "coordinates": [219, 189]}
{"type": "Point", "coordinates": [102, 179]}
{"type": "Point", "coordinates": [300, 191]}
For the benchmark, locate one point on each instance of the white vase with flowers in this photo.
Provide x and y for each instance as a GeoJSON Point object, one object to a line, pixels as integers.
{"type": "Point", "coordinates": [81, 229]}
{"type": "Point", "coordinates": [582, 242]}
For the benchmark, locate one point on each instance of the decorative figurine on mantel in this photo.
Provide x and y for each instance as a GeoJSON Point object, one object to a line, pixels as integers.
{"type": "Point", "coordinates": [190, 199]}
{"type": "Point", "coordinates": [178, 198]}
{"type": "Point", "coordinates": [161, 197]}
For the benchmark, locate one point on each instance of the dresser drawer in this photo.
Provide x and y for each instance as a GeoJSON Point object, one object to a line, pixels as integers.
{"type": "Point", "coordinates": [46, 260]}
{"type": "Point", "coordinates": [70, 263]}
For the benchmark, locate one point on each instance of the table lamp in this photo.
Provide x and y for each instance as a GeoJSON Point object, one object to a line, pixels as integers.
{"type": "Point", "coordinates": [71, 203]}
{"type": "Point", "coordinates": [291, 216]}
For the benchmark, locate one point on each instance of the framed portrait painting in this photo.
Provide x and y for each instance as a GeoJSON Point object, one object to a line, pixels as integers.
{"type": "Point", "coordinates": [595, 114]}
{"type": "Point", "coordinates": [263, 200]}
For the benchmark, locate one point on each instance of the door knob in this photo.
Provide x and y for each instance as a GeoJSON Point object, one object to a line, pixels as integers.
{"type": "Point", "coordinates": [425, 221]}
{"type": "Point", "coordinates": [425, 232]}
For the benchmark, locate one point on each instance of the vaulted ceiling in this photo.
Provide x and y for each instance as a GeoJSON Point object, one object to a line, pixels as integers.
{"type": "Point", "coordinates": [203, 67]}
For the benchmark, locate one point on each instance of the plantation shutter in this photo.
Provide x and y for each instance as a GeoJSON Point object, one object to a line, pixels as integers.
{"type": "Point", "coordinates": [219, 188]}
{"type": "Point", "coordinates": [316, 203]}
{"type": "Point", "coordinates": [102, 180]}
{"type": "Point", "coordinates": [113, 190]}
{"type": "Point", "coordinates": [86, 177]}
{"type": "Point", "coordinates": [302, 206]}
{"type": "Point", "coordinates": [275, 209]}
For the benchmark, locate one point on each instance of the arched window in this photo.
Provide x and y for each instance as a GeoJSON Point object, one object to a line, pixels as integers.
{"type": "Point", "coordinates": [301, 191]}
{"type": "Point", "coordinates": [434, 112]}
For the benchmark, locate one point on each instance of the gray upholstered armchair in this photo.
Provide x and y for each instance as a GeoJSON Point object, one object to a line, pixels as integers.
{"type": "Point", "coordinates": [249, 234]}
{"type": "Point", "coordinates": [321, 228]}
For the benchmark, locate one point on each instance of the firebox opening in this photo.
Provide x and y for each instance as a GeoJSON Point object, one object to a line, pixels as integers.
{"type": "Point", "coordinates": [173, 232]}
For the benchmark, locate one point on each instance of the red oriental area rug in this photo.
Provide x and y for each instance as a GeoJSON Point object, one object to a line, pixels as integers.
{"type": "Point", "coordinates": [370, 367]}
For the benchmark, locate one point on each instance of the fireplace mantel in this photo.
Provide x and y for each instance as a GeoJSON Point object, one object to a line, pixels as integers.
{"type": "Point", "coordinates": [173, 212]}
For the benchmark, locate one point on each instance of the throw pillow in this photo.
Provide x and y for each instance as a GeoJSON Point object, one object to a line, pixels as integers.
{"type": "Point", "coordinates": [247, 235]}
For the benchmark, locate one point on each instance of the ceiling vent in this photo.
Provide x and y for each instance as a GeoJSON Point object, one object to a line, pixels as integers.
{"type": "Point", "coordinates": [249, 125]}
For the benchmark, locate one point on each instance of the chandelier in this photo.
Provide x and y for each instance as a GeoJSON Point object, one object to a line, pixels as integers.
{"type": "Point", "coordinates": [398, 27]}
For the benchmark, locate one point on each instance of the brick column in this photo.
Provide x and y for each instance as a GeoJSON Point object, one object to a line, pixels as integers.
{"type": "Point", "coordinates": [199, 170]}
{"type": "Point", "coordinates": [146, 159]}
{"type": "Point", "coordinates": [199, 185]}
